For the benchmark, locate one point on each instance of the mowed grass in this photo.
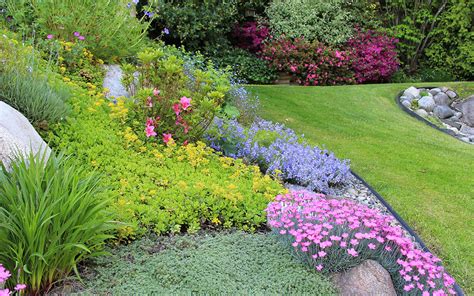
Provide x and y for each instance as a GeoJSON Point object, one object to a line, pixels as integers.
{"type": "Point", "coordinates": [427, 176]}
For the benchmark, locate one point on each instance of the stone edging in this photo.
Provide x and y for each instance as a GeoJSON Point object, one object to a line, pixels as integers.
{"type": "Point", "coordinates": [414, 115]}
{"type": "Point", "coordinates": [400, 220]}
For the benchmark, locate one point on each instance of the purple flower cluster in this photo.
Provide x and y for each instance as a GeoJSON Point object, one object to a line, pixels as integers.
{"type": "Point", "coordinates": [333, 235]}
{"type": "Point", "coordinates": [280, 152]}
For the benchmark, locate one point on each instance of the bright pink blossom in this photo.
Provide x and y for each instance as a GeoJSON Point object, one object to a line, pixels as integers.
{"type": "Point", "coordinates": [150, 131]}
{"type": "Point", "coordinates": [167, 138]}
{"type": "Point", "coordinates": [185, 102]}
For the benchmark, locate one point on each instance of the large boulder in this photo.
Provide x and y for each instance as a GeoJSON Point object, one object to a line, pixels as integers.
{"type": "Point", "coordinates": [467, 109]}
{"type": "Point", "coordinates": [443, 111]}
{"type": "Point", "coordinates": [368, 278]}
{"type": "Point", "coordinates": [17, 136]}
{"type": "Point", "coordinates": [441, 99]}
{"type": "Point", "coordinates": [467, 130]}
{"type": "Point", "coordinates": [413, 91]}
{"type": "Point", "coordinates": [427, 103]}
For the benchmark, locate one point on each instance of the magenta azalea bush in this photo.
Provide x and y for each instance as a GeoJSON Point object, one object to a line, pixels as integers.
{"type": "Point", "coordinates": [4, 276]}
{"type": "Point", "coordinates": [250, 35]}
{"type": "Point", "coordinates": [336, 234]}
{"type": "Point", "coordinates": [311, 63]}
{"type": "Point", "coordinates": [374, 56]}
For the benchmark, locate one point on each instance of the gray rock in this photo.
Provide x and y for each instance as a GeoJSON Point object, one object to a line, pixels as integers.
{"type": "Point", "coordinates": [422, 113]}
{"type": "Point", "coordinates": [444, 89]}
{"type": "Point", "coordinates": [406, 103]}
{"type": "Point", "coordinates": [441, 99]}
{"type": "Point", "coordinates": [451, 94]}
{"type": "Point", "coordinates": [457, 115]}
{"type": "Point", "coordinates": [412, 91]}
{"type": "Point", "coordinates": [452, 123]}
{"type": "Point", "coordinates": [427, 103]}
{"type": "Point", "coordinates": [434, 91]}
{"type": "Point", "coordinates": [368, 278]}
{"type": "Point", "coordinates": [113, 82]}
{"type": "Point", "coordinates": [467, 109]}
{"type": "Point", "coordinates": [17, 136]}
{"type": "Point", "coordinates": [467, 130]}
{"type": "Point", "coordinates": [443, 111]}
{"type": "Point", "coordinates": [465, 139]}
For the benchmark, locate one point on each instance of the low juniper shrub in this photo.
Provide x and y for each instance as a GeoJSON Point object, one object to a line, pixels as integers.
{"type": "Point", "coordinates": [279, 152]}
{"type": "Point", "coordinates": [333, 235]}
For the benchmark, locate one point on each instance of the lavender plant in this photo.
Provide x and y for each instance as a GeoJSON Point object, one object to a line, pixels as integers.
{"type": "Point", "coordinates": [279, 151]}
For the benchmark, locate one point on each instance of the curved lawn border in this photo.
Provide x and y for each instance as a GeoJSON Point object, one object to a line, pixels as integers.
{"type": "Point", "coordinates": [413, 114]}
{"type": "Point", "coordinates": [458, 289]}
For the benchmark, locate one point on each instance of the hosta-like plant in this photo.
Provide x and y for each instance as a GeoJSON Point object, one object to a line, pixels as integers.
{"type": "Point", "coordinates": [51, 217]}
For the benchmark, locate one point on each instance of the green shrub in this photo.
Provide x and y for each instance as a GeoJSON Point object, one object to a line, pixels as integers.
{"type": "Point", "coordinates": [34, 97]}
{"type": "Point", "coordinates": [110, 28]}
{"type": "Point", "coordinates": [51, 217]}
{"type": "Point", "coordinates": [322, 20]}
{"type": "Point", "coordinates": [197, 23]}
{"type": "Point", "coordinates": [244, 65]}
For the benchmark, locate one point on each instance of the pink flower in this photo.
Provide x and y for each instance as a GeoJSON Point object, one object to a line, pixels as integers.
{"type": "Point", "coordinates": [77, 34]}
{"type": "Point", "coordinates": [50, 36]}
{"type": "Point", "coordinates": [150, 131]}
{"type": "Point", "coordinates": [4, 274]}
{"type": "Point", "coordinates": [319, 267]}
{"type": "Point", "coordinates": [20, 287]}
{"type": "Point", "coordinates": [156, 92]}
{"type": "Point", "coordinates": [371, 246]}
{"type": "Point", "coordinates": [321, 254]}
{"type": "Point", "coordinates": [388, 248]}
{"type": "Point", "coordinates": [167, 138]}
{"type": "Point", "coordinates": [343, 244]}
{"type": "Point", "coordinates": [176, 109]}
{"type": "Point", "coordinates": [81, 38]}
{"type": "Point", "coordinates": [185, 102]}
{"type": "Point", "coordinates": [149, 102]}
{"type": "Point", "coordinates": [293, 68]}
{"type": "Point", "coordinates": [149, 121]}
{"type": "Point", "coordinates": [352, 252]}
{"type": "Point", "coordinates": [5, 292]}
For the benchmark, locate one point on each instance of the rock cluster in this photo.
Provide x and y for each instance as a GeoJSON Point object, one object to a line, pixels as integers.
{"type": "Point", "coordinates": [445, 106]}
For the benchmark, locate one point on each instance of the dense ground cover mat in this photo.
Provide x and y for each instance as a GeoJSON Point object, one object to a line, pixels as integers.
{"type": "Point", "coordinates": [161, 188]}
{"type": "Point", "coordinates": [425, 175]}
{"type": "Point", "coordinates": [233, 263]}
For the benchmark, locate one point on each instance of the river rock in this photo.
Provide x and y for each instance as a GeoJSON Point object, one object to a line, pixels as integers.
{"type": "Point", "coordinates": [444, 89]}
{"type": "Point", "coordinates": [441, 99]}
{"type": "Point", "coordinates": [467, 130]}
{"type": "Point", "coordinates": [467, 109]}
{"type": "Point", "coordinates": [368, 278]}
{"type": "Point", "coordinates": [434, 91]}
{"type": "Point", "coordinates": [422, 113]}
{"type": "Point", "coordinates": [452, 123]}
{"type": "Point", "coordinates": [451, 94]}
{"type": "Point", "coordinates": [427, 103]}
{"type": "Point", "coordinates": [443, 111]}
{"type": "Point", "coordinates": [17, 136]}
{"type": "Point", "coordinates": [412, 91]}
{"type": "Point", "coordinates": [406, 103]}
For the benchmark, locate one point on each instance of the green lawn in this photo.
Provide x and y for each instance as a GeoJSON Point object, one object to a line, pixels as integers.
{"type": "Point", "coordinates": [427, 176]}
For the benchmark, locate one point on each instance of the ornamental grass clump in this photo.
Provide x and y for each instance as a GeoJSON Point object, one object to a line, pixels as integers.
{"type": "Point", "coordinates": [52, 216]}
{"type": "Point", "coordinates": [280, 152]}
{"type": "Point", "coordinates": [333, 235]}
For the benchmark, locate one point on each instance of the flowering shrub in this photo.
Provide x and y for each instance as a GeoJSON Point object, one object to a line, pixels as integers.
{"type": "Point", "coordinates": [333, 235]}
{"type": "Point", "coordinates": [172, 104]}
{"type": "Point", "coordinates": [312, 63]}
{"type": "Point", "coordinates": [374, 56]}
{"type": "Point", "coordinates": [250, 35]}
{"type": "Point", "coordinates": [4, 276]}
{"type": "Point", "coordinates": [279, 151]}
